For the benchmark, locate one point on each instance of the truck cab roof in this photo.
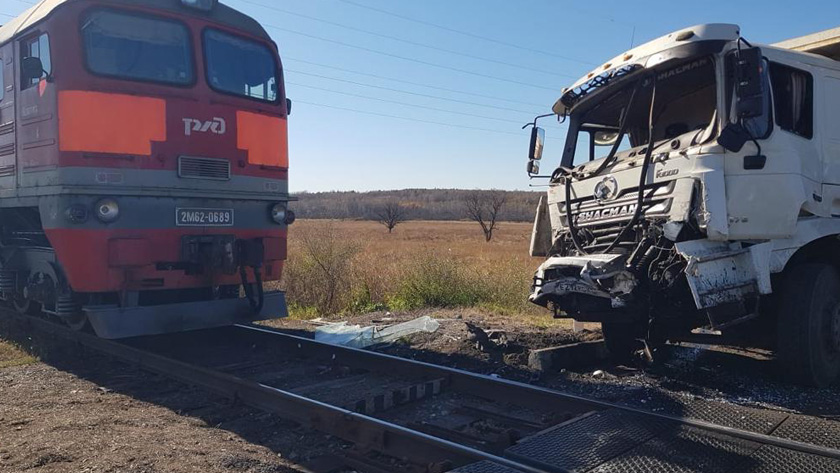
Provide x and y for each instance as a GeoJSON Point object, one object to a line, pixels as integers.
{"type": "Point", "coordinates": [649, 54]}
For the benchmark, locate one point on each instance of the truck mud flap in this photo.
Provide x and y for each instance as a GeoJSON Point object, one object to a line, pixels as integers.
{"type": "Point", "coordinates": [115, 322]}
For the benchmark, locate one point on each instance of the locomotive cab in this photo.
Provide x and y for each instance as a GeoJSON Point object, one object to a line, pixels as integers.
{"type": "Point", "coordinates": [143, 165]}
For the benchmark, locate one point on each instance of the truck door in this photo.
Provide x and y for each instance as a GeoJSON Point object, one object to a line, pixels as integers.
{"type": "Point", "coordinates": [8, 165]}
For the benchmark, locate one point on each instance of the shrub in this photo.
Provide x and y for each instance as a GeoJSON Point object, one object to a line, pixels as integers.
{"type": "Point", "coordinates": [431, 280]}
{"type": "Point", "coordinates": [319, 275]}
{"type": "Point", "coordinates": [328, 273]}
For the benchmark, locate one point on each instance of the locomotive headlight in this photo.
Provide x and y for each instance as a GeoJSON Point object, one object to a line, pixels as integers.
{"type": "Point", "coordinates": [107, 210]}
{"type": "Point", "coordinates": [204, 5]}
{"type": "Point", "coordinates": [280, 214]}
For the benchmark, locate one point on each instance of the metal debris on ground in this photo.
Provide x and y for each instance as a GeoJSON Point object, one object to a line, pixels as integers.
{"type": "Point", "coordinates": [339, 333]}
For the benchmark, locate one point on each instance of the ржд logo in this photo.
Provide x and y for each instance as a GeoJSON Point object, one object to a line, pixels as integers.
{"type": "Point", "coordinates": [216, 125]}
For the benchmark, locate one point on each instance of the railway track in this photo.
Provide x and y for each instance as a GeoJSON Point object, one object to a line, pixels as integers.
{"type": "Point", "coordinates": [434, 418]}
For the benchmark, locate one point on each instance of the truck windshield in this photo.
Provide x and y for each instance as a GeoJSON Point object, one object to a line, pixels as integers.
{"type": "Point", "coordinates": [239, 66]}
{"type": "Point", "coordinates": [684, 104]}
{"type": "Point", "coordinates": [138, 47]}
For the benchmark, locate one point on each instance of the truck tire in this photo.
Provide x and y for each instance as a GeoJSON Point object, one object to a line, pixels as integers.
{"type": "Point", "coordinates": [622, 341]}
{"type": "Point", "coordinates": [809, 325]}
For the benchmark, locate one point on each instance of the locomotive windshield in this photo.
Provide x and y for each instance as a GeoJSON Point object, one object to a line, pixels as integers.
{"type": "Point", "coordinates": [239, 66]}
{"type": "Point", "coordinates": [137, 47]}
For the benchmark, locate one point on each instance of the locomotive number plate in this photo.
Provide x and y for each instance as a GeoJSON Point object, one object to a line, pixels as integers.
{"type": "Point", "coordinates": [204, 217]}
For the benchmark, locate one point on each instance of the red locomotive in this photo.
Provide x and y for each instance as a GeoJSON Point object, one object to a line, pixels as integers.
{"type": "Point", "coordinates": [143, 165]}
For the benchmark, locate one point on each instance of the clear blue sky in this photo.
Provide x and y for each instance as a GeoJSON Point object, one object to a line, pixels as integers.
{"type": "Point", "coordinates": [329, 59]}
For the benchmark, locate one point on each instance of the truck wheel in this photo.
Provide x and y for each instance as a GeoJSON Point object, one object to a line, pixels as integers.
{"type": "Point", "coordinates": [809, 325]}
{"type": "Point", "coordinates": [622, 341]}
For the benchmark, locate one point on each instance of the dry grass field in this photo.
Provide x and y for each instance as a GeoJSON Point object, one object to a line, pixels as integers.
{"type": "Point", "coordinates": [12, 355]}
{"type": "Point", "coordinates": [340, 267]}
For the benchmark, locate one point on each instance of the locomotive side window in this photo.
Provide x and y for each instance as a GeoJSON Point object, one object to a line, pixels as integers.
{"type": "Point", "coordinates": [239, 66]}
{"type": "Point", "coordinates": [36, 47]}
{"type": "Point", "coordinates": [129, 46]}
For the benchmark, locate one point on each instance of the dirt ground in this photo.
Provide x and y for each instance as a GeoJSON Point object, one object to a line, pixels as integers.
{"type": "Point", "coordinates": [688, 373]}
{"type": "Point", "coordinates": [456, 346]}
{"type": "Point", "coordinates": [77, 411]}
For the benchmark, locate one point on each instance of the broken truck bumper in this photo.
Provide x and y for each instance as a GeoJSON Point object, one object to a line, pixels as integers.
{"type": "Point", "coordinates": [562, 276]}
{"type": "Point", "coordinates": [718, 274]}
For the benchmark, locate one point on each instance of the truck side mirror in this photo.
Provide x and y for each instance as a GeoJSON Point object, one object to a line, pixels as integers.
{"type": "Point", "coordinates": [288, 107]}
{"type": "Point", "coordinates": [31, 68]}
{"type": "Point", "coordinates": [536, 149]}
{"type": "Point", "coordinates": [537, 141]}
{"type": "Point", "coordinates": [749, 83]}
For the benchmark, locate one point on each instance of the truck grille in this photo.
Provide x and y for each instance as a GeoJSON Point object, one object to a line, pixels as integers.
{"type": "Point", "coordinates": [599, 237]}
{"type": "Point", "coordinates": [598, 224]}
{"type": "Point", "coordinates": [203, 168]}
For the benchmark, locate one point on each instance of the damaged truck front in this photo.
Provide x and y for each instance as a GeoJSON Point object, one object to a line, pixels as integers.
{"type": "Point", "coordinates": [697, 198]}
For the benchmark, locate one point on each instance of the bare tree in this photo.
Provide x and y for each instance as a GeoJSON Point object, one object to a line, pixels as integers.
{"type": "Point", "coordinates": [485, 208]}
{"type": "Point", "coordinates": [390, 214]}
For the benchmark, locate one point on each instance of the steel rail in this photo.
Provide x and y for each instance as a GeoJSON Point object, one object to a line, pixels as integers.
{"type": "Point", "coordinates": [362, 430]}
{"type": "Point", "coordinates": [515, 391]}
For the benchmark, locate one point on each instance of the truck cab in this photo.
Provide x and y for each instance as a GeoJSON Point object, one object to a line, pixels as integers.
{"type": "Point", "coordinates": [696, 199]}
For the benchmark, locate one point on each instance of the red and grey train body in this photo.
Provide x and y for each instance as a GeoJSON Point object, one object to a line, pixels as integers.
{"type": "Point", "coordinates": [143, 165]}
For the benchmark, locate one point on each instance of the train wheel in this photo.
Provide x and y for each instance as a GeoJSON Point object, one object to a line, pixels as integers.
{"type": "Point", "coordinates": [68, 310]}
{"type": "Point", "coordinates": [809, 325]}
{"type": "Point", "coordinates": [26, 306]}
{"type": "Point", "coordinates": [77, 322]}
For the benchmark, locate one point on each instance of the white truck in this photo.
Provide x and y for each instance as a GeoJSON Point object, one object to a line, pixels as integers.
{"type": "Point", "coordinates": [697, 198]}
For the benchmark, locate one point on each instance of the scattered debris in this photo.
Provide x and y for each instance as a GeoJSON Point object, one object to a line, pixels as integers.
{"type": "Point", "coordinates": [481, 339]}
{"type": "Point", "coordinates": [360, 337]}
{"type": "Point", "coordinates": [573, 355]}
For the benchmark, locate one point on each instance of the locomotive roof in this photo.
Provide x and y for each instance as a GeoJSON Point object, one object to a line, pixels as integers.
{"type": "Point", "coordinates": [220, 14]}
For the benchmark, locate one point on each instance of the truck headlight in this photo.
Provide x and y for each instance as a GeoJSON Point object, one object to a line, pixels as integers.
{"type": "Point", "coordinates": [107, 210]}
{"type": "Point", "coordinates": [204, 5]}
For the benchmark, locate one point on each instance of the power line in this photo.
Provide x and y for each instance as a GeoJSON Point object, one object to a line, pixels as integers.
{"type": "Point", "coordinates": [406, 104]}
{"type": "Point", "coordinates": [375, 51]}
{"type": "Point", "coordinates": [401, 40]}
{"type": "Point", "coordinates": [411, 119]}
{"type": "Point", "coordinates": [397, 56]}
{"type": "Point", "coordinates": [466, 33]}
{"type": "Point", "coordinates": [362, 84]}
{"type": "Point", "coordinates": [493, 97]}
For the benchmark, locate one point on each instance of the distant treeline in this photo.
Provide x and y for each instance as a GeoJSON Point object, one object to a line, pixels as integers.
{"type": "Point", "coordinates": [419, 204]}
